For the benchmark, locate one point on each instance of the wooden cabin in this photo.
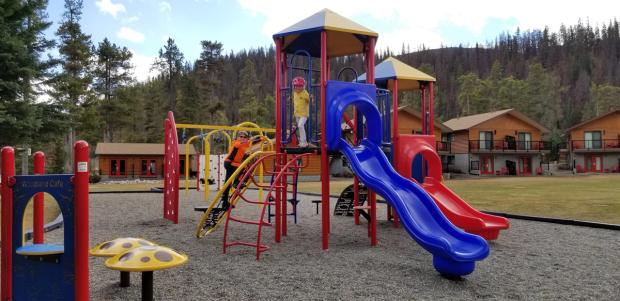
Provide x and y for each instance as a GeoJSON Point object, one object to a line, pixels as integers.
{"type": "Point", "coordinates": [136, 160]}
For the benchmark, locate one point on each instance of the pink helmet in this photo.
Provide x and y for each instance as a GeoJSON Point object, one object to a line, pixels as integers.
{"type": "Point", "coordinates": [299, 81]}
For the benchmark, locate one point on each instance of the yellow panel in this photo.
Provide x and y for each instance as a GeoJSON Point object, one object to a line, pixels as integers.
{"type": "Point", "coordinates": [343, 43]}
{"type": "Point", "coordinates": [404, 71]}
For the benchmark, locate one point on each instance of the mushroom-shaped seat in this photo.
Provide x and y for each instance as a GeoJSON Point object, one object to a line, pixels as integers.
{"type": "Point", "coordinates": [146, 259]}
{"type": "Point", "coordinates": [117, 246]}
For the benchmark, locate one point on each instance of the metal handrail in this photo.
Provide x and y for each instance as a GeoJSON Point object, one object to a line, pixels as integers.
{"type": "Point", "coordinates": [505, 145]}
{"type": "Point", "coordinates": [598, 144]}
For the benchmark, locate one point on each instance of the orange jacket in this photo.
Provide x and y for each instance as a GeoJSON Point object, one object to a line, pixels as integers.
{"type": "Point", "coordinates": [236, 152]}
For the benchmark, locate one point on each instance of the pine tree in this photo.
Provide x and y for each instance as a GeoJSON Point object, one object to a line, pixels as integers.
{"type": "Point", "coordinates": [170, 63]}
{"type": "Point", "coordinates": [112, 72]}
{"type": "Point", "coordinates": [72, 85]}
{"type": "Point", "coordinates": [23, 67]}
{"type": "Point", "coordinates": [470, 94]}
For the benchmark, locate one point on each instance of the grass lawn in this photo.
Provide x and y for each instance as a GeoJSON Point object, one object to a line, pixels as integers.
{"type": "Point", "coordinates": [591, 198]}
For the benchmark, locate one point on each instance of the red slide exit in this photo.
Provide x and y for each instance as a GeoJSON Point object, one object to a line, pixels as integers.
{"type": "Point", "coordinates": [457, 210]}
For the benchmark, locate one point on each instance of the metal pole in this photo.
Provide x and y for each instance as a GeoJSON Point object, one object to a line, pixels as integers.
{"type": "Point", "coordinates": [8, 172]}
{"type": "Point", "coordinates": [324, 157]}
{"type": "Point", "coordinates": [39, 203]}
{"type": "Point", "coordinates": [423, 108]}
{"type": "Point", "coordinates": [372, 197]}
{"type": "Point", "coordinates": [431, 109]}
{"type": "Point", "coordinates": [147, 286]}
{"type": "Point", "coordinates": [80, 184]}
{"type": "Point", "coordinates": [279, 117]}
{"type": "Point", "coordinates": [395, 140]}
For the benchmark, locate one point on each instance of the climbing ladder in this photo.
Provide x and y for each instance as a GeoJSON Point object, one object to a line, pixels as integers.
{"type": "Point", "coordinates": [213, 214]}
{"type": "Point", "coordinates": [294, 172]}
{"type": "Point", "coordinates": [279, 181]}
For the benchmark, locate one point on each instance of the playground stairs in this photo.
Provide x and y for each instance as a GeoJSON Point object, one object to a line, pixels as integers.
{"type": "Point", "coordinates": [294, 173]}
{"type": "Point", "coordinates": [278, 182]}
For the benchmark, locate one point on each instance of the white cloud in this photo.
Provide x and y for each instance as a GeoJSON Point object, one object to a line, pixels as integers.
{"type": "Point", "coordinates": [129, 34]}
{"type": "Point", "coordinates": [142, 66]}
{"type": "Point", "coordinates": [107, 6]}
{"type": "Point", "coordinates": [131, 19]}
{"type": "Point", "coordinates": [165, 7]}
{"type": "Point", "coordinates": [411, 23]}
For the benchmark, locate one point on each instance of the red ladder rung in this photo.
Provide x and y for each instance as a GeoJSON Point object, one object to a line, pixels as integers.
{"type": "Point", "coordinates": [245, 221]}
{"type": "Point", "coordinates": [261, 248]}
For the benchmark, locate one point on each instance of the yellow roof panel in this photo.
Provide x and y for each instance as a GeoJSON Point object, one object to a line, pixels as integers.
{"type": "Point", "coordinates": [344, 36]}
{"type": "Point", "coordinates": [409, 78]}
{"type": "Point", "coordinates": [328, 20]}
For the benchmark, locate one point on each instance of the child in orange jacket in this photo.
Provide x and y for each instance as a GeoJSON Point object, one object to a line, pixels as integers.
{"type": "Point", "coordinates": [233, 159]}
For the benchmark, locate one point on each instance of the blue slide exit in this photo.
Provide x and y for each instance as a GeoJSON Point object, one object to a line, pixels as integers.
{"type": "Point", "coordinates": [454, 251]}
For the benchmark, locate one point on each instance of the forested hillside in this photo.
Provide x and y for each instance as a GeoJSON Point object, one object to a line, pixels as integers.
{"type": "Point", "coordinates": [557, 78]}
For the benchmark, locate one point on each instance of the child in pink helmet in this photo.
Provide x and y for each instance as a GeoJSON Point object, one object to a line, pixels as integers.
{"type": "Point", "coordinates": [301, 103]}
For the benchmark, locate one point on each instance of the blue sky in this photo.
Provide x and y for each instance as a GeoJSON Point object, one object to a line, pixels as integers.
{"type": "Point", "coordinates": [144, 25]}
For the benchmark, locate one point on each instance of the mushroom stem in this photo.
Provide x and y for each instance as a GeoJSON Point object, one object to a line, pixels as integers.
{"type": "Point", "coordinates": [125, 279]}
{"type": "Point", "coordinates": [147, 286]}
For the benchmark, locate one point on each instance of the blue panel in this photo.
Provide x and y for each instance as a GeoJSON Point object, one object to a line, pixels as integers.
{"type": "Point", "coordinates": [44, 280]}
{"type": "Point", "coordinates": [416, 168]}
{"type": "Point", "coordinates": [341, 95]}
{"type": "Point", "coordinates": [40, 249]}
{"type": "Point", "coordinates": [454, 251]}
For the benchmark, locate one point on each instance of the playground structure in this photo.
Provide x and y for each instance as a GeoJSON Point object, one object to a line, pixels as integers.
{"type": "Point", "coordinates": [404, 169]}
{"type": "Point", "coordinates": [41, 271]}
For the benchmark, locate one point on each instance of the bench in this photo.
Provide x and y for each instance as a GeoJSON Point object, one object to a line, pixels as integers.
{"type": "Point", "coordinates": [317, 203]}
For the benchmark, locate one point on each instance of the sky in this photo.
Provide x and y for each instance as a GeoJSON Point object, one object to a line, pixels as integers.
{"type": "Point", "coordinates": [143, 26]}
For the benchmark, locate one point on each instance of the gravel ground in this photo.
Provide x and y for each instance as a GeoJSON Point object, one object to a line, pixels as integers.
{"type": "Point", "coordinates": [530, 261]}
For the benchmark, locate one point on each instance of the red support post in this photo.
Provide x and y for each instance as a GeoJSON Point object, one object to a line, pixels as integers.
{"type": "Point", "coordinates": [39, 203]}
{"type": "Point", "coordinates": [279, 104]}
{"type": "Point", "coordinates": [8, 172]}
{"type": "Point", "coordinates": [324, 156]}
{"type": "Point", "coordinates": [395, 140]}
{"type": "Point", "coordinates": [395, 135]}
{"type": "Point", "coordinates": [80, 190]}
{"type": "Point", "coordinates": [284, 205]}
{"type": "Point", "coordinates": [431, 109]}
{"type": "Point", "coordinates": [372, 197]}
{"type": "Point", "coordinates": [423, 97]}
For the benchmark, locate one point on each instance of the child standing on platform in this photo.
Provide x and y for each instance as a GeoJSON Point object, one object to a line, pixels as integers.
{"type": "Point", "coordinates": [301, 103]}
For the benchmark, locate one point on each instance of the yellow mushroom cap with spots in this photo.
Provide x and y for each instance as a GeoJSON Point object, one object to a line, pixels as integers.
{"type": "Point", "coordinates": [117, 246]}
{"type": "Point", "coordinates": [146, 258]}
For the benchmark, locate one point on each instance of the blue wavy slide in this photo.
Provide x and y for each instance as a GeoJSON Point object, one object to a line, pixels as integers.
{"type": "Point", "coordinates": [454, 251]}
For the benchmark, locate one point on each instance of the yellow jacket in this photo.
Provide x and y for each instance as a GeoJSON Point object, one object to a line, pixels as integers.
{"type": "Point", "coordinates": [301, 102]}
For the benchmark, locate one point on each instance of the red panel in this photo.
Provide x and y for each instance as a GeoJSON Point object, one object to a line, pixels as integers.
{"type": "Point", "coordinates": [409, 146]}
{"type": "Point", "coordinates": [171, 171]}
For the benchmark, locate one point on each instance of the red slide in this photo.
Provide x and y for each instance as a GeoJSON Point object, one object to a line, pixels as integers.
{"type": "Point", "coordinates": [459, 212]}
{"type": "Point", "coordinates": [462, 214]}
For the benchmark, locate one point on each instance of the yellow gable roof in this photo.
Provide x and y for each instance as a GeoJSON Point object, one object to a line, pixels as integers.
{"type": "Point", "coordinates": [409, 78]}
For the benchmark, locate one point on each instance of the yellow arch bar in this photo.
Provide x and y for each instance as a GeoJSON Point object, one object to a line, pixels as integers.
{"type": "Point", "coordinates": [207, 152]}
{"type": "Point", "coordinates": [223, 127]}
